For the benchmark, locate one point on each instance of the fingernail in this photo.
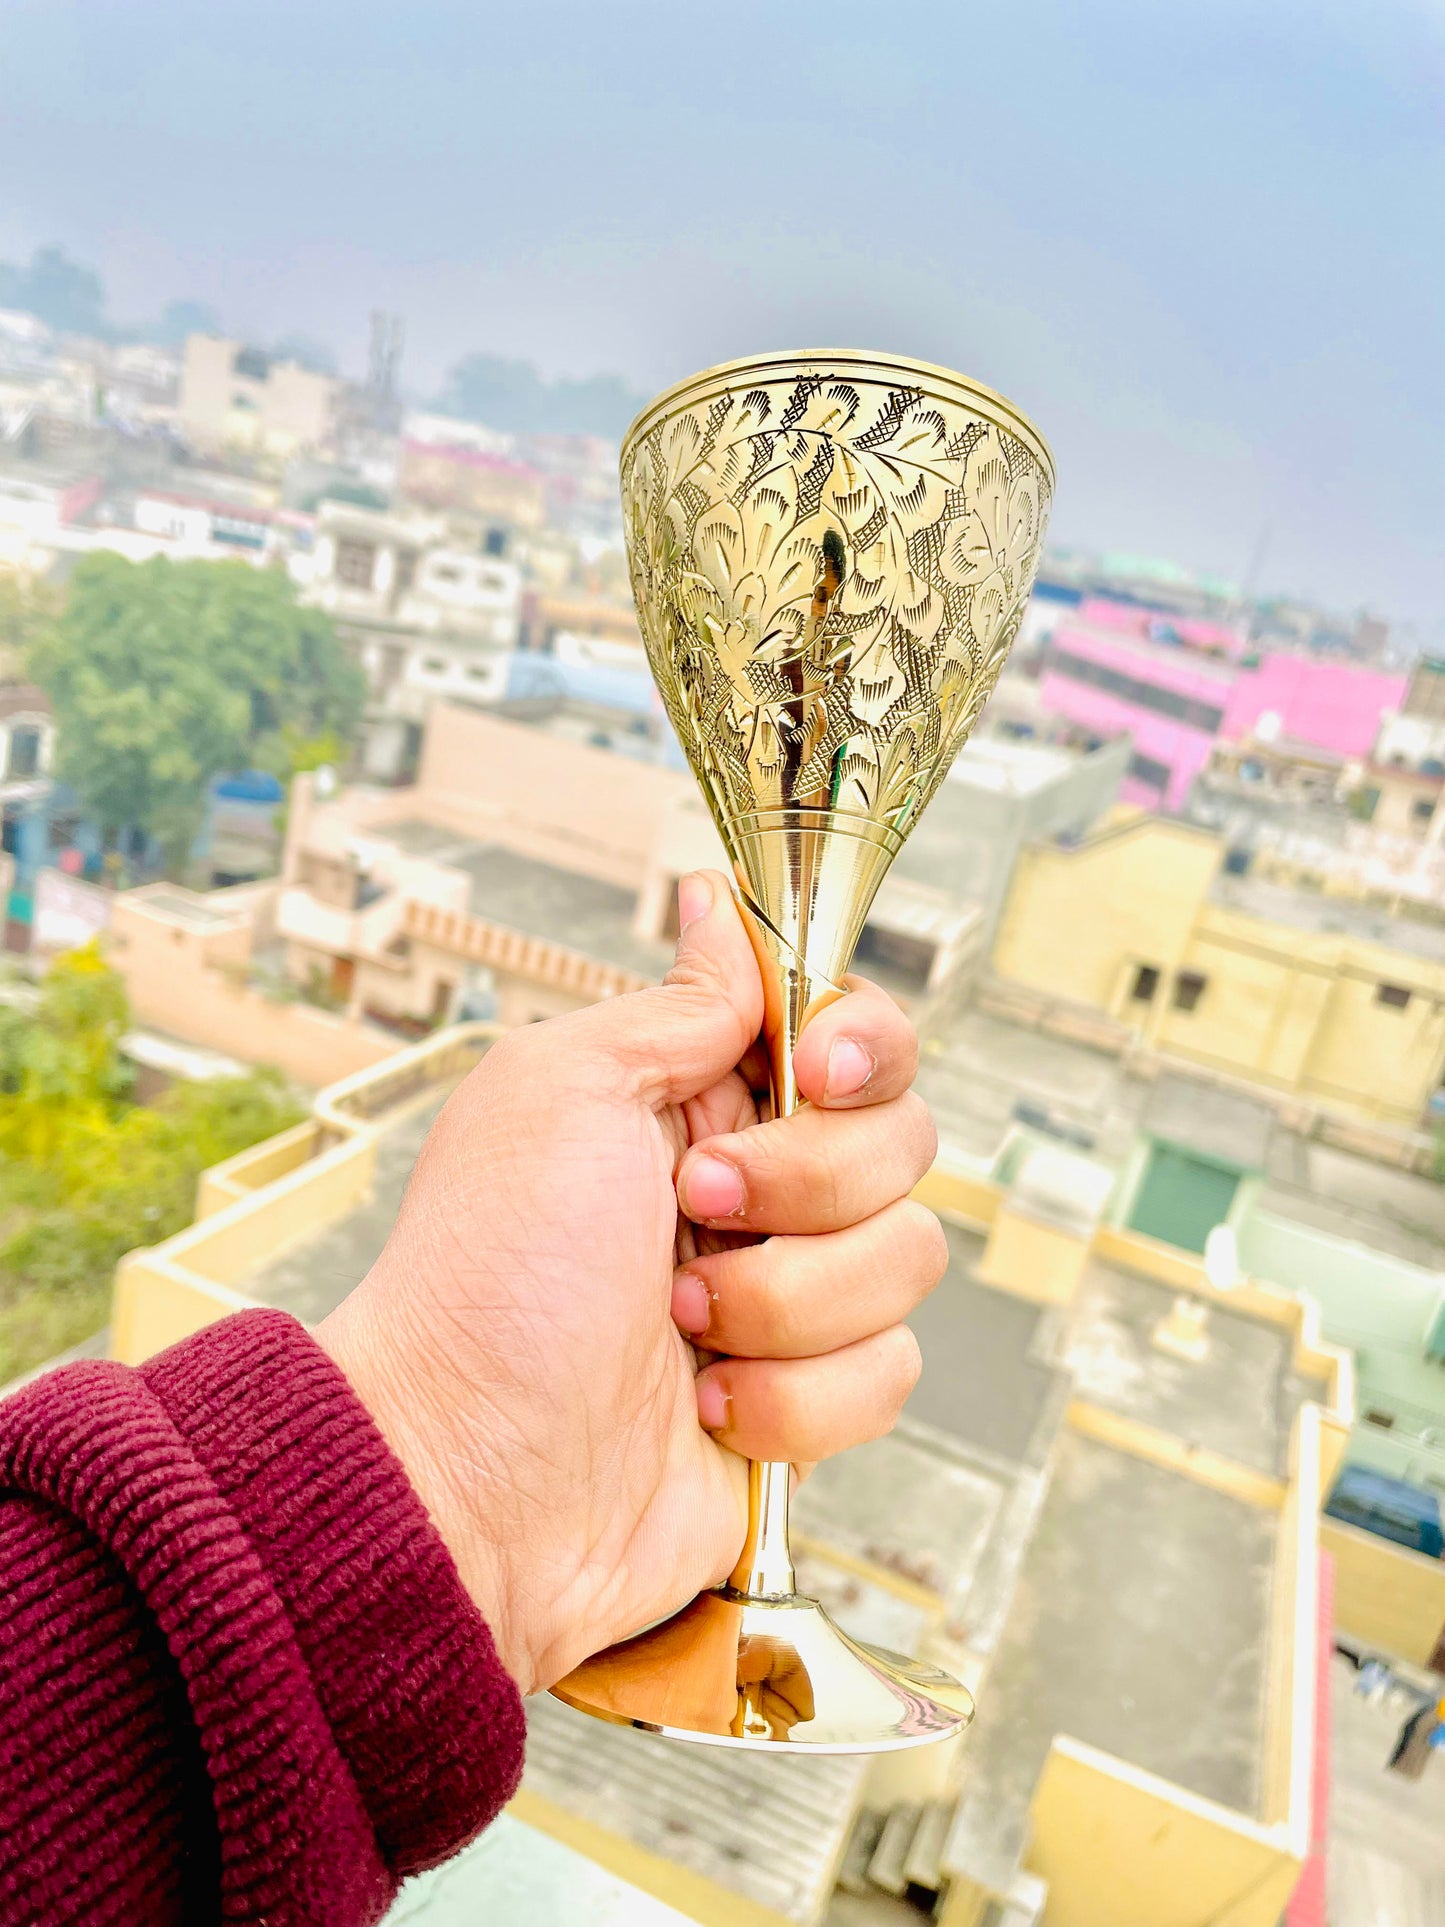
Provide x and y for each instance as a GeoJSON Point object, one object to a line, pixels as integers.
{"type": "Point", "coordinates": [849, 1068]}
{"type": "Point", "coordinates": [694, 899]}
{"type": "Point", "coordinates": [714, 1405]}
{"type": "Point", "coordinates": [691, 1304]}
{"type": "Point", "coordinates": [713, 1189]}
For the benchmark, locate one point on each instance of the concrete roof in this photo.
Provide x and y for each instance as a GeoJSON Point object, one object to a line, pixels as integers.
{"type": "Point", "coordinates": [977, 1066]}
{"type": "Point", "coordinates": [537, 898]}
{"type": "Point", "coordinates": [179, 906]}
{"type": "Point", "coordinates": [987, 1381]}
{"type": "Point", "coordinates": [1218, 1123]}
{"type": "Point", "coordinates": [1010, 768]}
{"type": "Point", "coordinates": [312, 1279]}
{"type": "Point", "coordinates": [1330, 916]}
{"type": "Point", "coordinates": [770, 1827]}
{"type": "Point", "coordinates": [1239, 1399]}
{"type": "Point", "coordinates": [515, 1876]}
{"type": "Point", "coordinates": [1140, 1626]}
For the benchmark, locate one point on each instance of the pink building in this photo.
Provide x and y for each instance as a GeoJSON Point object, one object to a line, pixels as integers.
{"type": "Point", "coordinates": [1334, 706]}
{"type": "Point", "coordinates": [1176, 685]}
{"type": "Point", "coordinates": [1106, 677]}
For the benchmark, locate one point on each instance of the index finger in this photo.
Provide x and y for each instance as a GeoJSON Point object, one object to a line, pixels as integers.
{"type": "Point", "coordinates": [860, 1049]}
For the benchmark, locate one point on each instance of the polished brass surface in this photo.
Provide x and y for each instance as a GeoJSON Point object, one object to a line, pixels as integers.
{"type": "Point", "coordinates": [734, 1671]}
{"type": "Point", "coordinates": [831, 554]}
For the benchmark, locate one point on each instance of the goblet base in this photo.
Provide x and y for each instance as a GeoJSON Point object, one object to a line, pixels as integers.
{"type": "Point", "coordinates": [735, 1670]}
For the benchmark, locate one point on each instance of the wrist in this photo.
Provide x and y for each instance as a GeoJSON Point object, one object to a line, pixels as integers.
{"type": "Point", "coordinates": [410, 1410]}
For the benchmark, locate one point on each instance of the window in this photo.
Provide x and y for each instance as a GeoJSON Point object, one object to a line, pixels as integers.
{"type": "Point", "coordinates": [1148, 769]}
{"type": "Point", "coordinates": [253, 363]}
{"type": "Point", "coordinates": [1146, 982]}
{"type": "Point", "coordinates": [1422, 809]}
{"type": "Point", "coordinates": [405, 568]}
{"type": "Point", "coordinates": [494, 542]}
{"type": "Point", "coordinates": [24, 751]}
{"type": "Point", "coordinates": [433, 666]}
{"type": "Point", "coordinates": [1396, 996]}
{"type": "Point", "coordinates": [476, 673]}
{"type": "Point", "coordinates": [1164, 702]}
{"type": "Point", "coordinates": [1374, 1416]}
{"type": "Point", "coordinates": [445, 572]}
{"type": "Point", "coordinates": [1189, 987]}
{"type": "Point", "coordinates": [355, 562]}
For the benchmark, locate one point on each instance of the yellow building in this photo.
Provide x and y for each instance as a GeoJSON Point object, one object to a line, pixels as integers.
{"type": "Point", "coordinates": [233, 396]}
{"type": "Point", "coordinates": [1311, 995]}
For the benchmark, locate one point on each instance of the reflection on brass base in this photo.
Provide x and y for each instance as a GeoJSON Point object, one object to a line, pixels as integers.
{"type": "Point", "coordinates": [734, 1671]}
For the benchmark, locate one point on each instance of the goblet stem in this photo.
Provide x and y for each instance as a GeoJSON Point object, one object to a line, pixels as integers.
{"type": "Point", "coordinates": [792, 993]}
{"type": "Point", "coordinates": [765, 1566]}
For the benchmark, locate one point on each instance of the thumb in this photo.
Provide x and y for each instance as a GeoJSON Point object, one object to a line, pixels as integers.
{"type": "Point", "coordinates": [678, 1039]}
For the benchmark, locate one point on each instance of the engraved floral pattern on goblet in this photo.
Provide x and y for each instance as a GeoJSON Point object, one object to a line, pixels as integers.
{"type": "Point", "coordinates": [830, 557]}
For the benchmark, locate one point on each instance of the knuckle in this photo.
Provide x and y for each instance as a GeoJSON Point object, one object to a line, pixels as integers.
{"type": "Point", "coordinates": [903, 1370]}
{"type": "Point", "coordinates": [924, 1230]}
{"type": "Point", "coordinates": [908, 1359]}
{"type": "Point", "coordinates": [822, 1185]}
{"type": "Point", "coordinates": [792, 1168]}
{"type": "Point", "coordinates": [778, 1301]}
{"type": "Point", "coordinates": [922, 1132]}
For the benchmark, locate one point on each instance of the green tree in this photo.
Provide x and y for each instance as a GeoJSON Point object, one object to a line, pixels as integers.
{"type": "Point", "coordinates": [86, 1175]}
{"type": "Point", "coordinates": [61, 1070]}
{"type": "Point", "coordinates": [164, 675]}
{"type": "Point", "coordinates": [27, 610]}
{"type": "Point", "coordinates": [514, 397]}
{"type": "Point", "coordinates": [64, 295]}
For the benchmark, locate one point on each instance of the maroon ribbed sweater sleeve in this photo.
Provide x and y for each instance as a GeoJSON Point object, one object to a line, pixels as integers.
{"type": "Point", "coordinates": [239, 1677]}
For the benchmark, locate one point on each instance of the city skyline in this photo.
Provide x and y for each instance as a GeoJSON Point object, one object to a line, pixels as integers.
{"type": "Point", "coordinates": [1189, 248]}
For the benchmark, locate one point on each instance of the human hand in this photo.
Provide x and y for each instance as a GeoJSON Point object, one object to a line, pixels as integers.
{"type": "Point", "coordinates": [595, 1200]}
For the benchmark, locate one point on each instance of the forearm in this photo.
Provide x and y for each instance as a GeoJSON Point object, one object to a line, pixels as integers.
{"type": "Point", "coordinates": [236, 1663]}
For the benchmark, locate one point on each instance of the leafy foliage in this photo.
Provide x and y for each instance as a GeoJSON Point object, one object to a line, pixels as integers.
{"type": "Point", "coordinates": [86, 1175]}
{"type": "Point", "coordinates": [165, 674]}
{"type": "Point", "coordinates": [64, 295]}
{"type": "Point", "coordinates": [27, 610]}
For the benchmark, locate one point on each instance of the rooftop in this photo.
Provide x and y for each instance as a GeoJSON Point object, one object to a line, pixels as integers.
{"type": "Point", "coordinates": [1238, 1400]}
{"type": "Point", "coordinates": [980, 1067]}
{"type": "Point", "coordinates": [1227, 1125]}
{"type": "Point", "coordinates": [1010, 768]}
{"type": "Point", "coordinates": [312, 1278]}
{"type": "Point", "coordinates": [516, 1876]}
{"type": "Point", "coordinates": [1140, 1626]}
{"type": "Point", "coordinates": [987, 1381]}
{"type": "Point", "coordinates": [179, 906]}
{"type": "Point", "coordinates": [1330, 916]}
{"type": "Point", "coordinates": [538, 898]}
{"type": "Point", "coordinates": [770, 1827]}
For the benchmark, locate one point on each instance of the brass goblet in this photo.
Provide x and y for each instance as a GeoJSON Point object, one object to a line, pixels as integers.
{"type": "Point", "coordinates": [831, 554]}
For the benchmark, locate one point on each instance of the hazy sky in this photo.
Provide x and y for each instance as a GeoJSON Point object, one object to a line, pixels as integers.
{"type": "Point", "coordinates": [1202, 242]}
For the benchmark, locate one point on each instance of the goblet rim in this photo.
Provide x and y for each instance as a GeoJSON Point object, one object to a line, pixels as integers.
{"type": "Point", "coordinates": [942, 384]}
